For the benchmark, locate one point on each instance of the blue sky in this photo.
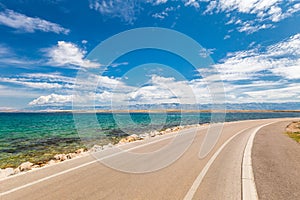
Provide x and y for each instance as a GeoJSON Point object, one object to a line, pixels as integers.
{"type": "Point", "coordinates": [255, 45]}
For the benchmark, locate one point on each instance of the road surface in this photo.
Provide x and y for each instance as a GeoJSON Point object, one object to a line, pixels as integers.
{"type": "Point", "coordinates": [244, 147]}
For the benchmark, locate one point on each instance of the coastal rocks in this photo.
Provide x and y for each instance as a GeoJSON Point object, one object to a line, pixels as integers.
{"type": "Point", "coordinates": [51, 162]}
{"type": "Point", "coordinates": [144, 136]}
{"type": "Point", "coordinates": [79, 151]}
{"type": "Point", "coordinates": [293, 127]}
{"type": "Point", "coordinates": [6, 172]}
{"type": "Point", "coordinates": [71, 155]}
{"type": "Point", "coordinates": [177, 128]}
{"type": "Point", "coordinates": [25, 166]}
{"type": "Point", "coordinates": [154, 133]}
{"type": "Point", "coordinates": [130, 138]}
{"type": "Point", "coordinates": [35, 166]}
{"type": "Point", "coordinates": [60, 157]}
{"type": "Point", "coordinates": [108, 146]}
{"type": "Point", "coordinates": [96, 148]}
{"type": "Point", "coordinates": [168, 130]}
{"type": "Point", "coordinates": [63, 157]}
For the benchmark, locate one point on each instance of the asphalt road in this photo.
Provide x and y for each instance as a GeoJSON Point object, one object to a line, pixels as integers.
{"type": "Point", "coordinates": [218, 176]}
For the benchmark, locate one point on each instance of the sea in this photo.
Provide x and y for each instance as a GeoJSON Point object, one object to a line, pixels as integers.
{"type": "Point", "coordinates": [37, 137]}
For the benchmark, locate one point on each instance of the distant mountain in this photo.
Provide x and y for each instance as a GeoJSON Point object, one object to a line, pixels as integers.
{"type": "Point", "coordinates": [228, 106]}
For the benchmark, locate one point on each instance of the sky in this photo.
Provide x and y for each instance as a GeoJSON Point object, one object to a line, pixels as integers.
{"type": "Point", "coordinates": [254, 46]}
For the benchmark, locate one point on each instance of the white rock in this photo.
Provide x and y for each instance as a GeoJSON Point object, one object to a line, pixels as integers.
{"type": "Point", "coordinates": [106, 147]}
{"type": "Point", "coordinates": [96, 148]}
{"type": "Point", "coordinates": [60, 157]}
{"type": "Point", "coordinates": [25, 166]}
{"type": "Point", "coordinates": [6, 172]}
{"type": "Point", "coordinates": [79, 151]}
{"type": "Point", "coordinates": [145, 136]}
{"type": "Point", "coordinates": [152, 134]}
{"type": "Point", "coordinates": [51, 162]}
{"type": "Point", "coordinates": [168, 130]}
{"type": "Point", "coordinates": [35, 166]}
{"type": "Point", "coordinates": [135, 136]}
{"type": "Point", "coordinates": [17, 170]}
{"type": "Point", "coordinates": [71, 155]}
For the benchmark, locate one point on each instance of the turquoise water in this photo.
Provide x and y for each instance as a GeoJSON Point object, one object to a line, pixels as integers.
{"type": "Point", "coordinates": [36, 137]}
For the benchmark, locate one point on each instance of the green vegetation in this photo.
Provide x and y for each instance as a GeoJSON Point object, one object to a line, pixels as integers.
{"type": "Point", "coordinates": [293, 130]}
{"type": "Point", "coordinates": [295, 136]}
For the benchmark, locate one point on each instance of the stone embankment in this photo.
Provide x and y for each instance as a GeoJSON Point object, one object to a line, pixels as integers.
{"type": "Point", "coordinates": [27, 166]}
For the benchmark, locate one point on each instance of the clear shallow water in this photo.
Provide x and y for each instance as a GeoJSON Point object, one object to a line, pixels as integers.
{"type": "Point", "coordinates": [36, 137]}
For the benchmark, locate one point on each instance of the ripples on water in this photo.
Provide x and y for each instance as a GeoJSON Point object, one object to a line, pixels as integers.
{"type": "Point", "coordinates": [36, 137]}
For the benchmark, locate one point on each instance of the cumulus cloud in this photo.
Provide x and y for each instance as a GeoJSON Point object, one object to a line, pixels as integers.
{"type": "Point", "coordinates": [53, 99]}
{"type": "Point", "coordinates": [68, 54]}
{"type": "Point", "coordinates": [24, 23]}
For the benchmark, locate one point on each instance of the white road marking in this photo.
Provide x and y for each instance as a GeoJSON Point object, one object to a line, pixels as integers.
{"type": "Point", "coordinates": [190, 194]}
{"type": "Point", "coordinates": [248, 184]}
{"type": "Point", "coordinates": [92, 162]}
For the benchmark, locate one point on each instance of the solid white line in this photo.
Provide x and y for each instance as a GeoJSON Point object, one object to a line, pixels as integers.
{"type": "Point", "coordinates": [190, 194]}
{"type": "Point", "coordinates": [92, 162]}
{"type": "Point", "coordinates": [248, 184]}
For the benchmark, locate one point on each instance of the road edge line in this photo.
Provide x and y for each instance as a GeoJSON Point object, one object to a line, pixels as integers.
{"type": "Point", "coordinates": [190, 194]}
{"type": "Point", "coordinates": [249, 191]}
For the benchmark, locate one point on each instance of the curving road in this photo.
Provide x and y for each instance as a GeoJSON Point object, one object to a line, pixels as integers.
{"type": "Point", "coordinates": [251, 160]}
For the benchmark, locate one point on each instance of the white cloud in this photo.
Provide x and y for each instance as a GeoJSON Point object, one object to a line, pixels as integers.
{"type": "Point", "coordinates": [157, 2]}
{"type": "Point", "coordinates": [52, 99]}
{"type": "Point", "coordinates": [206, 52]}
{"type": "Point", "coordinates": [4, 50]}
{"type": "Point", "coordinates": [165, 13]}
{"type": "Point", "coordinates": [193, 3]}
{"type": "Point", "coordinates": [281, 59]}
{"type": "Point", "coordinates": [161, 15]}
{"type": "Point", "coordinates": [211, 6]}
{"type": "Point", "coordinates": [8, 58]}
{"type": "Point", "coordinates": [29, 24]}
{"type": "Point", "coordinates": [261, 14]}
{"type": "Point", "coordinates": [226, 37]}
{"type": "Point", "coordinates": [29, 84]}
{"type": "Point", "coordinates": [250, 27]}
{"type": "Point", "coordinates": [67, 53]}
{"type": "Point", "coordinates": [125, 10]}
{"type": "Point", "coordinates": [49, 77]}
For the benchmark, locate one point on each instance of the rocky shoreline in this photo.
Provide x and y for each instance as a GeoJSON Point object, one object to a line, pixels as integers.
{"type": "Point", "coordinates": [28, 166]}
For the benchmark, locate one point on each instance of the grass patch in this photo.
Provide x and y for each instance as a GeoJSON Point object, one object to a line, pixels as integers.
{"type": "Point", "coordinates": [294, 136]}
